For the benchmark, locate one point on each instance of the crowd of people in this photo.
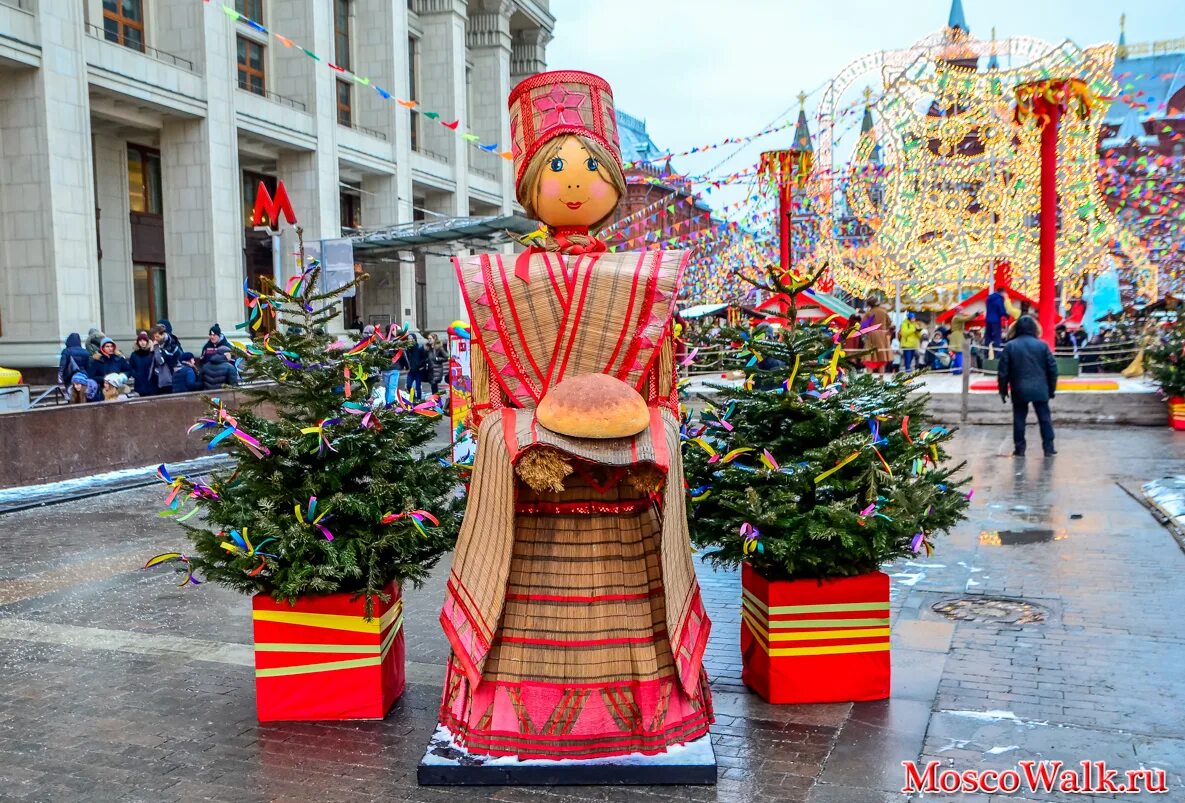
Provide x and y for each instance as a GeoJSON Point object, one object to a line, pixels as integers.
{"type": "Point", "coordinates": [99, 371]}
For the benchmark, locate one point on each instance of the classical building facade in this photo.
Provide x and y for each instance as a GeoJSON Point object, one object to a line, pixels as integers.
{"type": "Point", "coordinates": [133, 134]}
{"type": "Point", "coordinates": [659, 203]}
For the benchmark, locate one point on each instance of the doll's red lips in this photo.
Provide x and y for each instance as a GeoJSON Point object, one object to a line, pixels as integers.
{"type": "Point", "coordinates": [574, 204]}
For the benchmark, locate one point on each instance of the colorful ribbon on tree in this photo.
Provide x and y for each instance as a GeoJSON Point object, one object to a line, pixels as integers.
{"type": "Point", "coordinates": [417, 518]}
{"type": "Point", "coordinates": [752, 538]}
{"type": "Point", "coordinates": [168, 557]}
{"type": "Point", "coordinates": [319, 430]}
{"type": "Point", "coordinates": [240, 544]}
{"type": "Point", "coordinates": [314, 519]}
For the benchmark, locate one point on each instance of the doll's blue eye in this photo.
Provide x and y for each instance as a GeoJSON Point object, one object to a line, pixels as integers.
{"type": "Point", "coordinates": [557, 165]}
{"type": "Point", "coordinates": [592, 164]}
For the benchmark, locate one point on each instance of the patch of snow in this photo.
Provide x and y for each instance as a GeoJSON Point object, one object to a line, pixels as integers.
{"type": "Point", "coordinates": [68, 487]}
{"type": "Point", "coordinates": [955, 744]}
{"type": "Point", "coordinates": [994, 716]}
{"type": "Point", "coordinates": [907, 579]}
{"type": "Point", "coordinates": [995, 751]}
{"type": "Point", "coordinates": [916, 565]}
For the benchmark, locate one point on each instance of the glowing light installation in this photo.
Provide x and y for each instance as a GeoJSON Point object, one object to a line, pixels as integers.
{"type": "Point", "coordinates": [960, 182]}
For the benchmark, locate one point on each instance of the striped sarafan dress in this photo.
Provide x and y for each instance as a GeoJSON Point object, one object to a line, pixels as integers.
{"type": "Point", "coordinates": [574, 615]}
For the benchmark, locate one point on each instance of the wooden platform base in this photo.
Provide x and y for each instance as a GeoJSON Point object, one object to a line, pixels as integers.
{"type": "Point", "coordinates": [446, 764]}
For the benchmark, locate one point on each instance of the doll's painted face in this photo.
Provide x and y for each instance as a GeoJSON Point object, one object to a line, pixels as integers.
{"type": "Point", "coordinates": [572, 189]}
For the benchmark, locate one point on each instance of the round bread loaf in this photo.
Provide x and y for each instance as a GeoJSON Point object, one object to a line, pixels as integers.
{"type": "Point", "coordinates": [593, 406]}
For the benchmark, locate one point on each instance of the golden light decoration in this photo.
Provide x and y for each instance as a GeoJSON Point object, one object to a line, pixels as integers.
{"type": "Point", "coordinates": [960, 184]}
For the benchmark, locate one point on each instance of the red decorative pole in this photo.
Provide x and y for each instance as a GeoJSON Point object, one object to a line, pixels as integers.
{"type": "Point", "coordinates": [1047, 102]}
{"type": "Point", "coordinates": [785, 170]}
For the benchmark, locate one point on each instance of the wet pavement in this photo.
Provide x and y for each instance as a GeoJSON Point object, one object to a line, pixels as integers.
{"type": "Point", "coordinates": [1046, 627]}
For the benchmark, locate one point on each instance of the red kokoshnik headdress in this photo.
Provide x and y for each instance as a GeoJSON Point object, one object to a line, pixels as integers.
{"type": "Point", "coordinates": [549, 104]}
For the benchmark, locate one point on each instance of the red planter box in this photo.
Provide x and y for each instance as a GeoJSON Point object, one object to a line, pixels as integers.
{"type": "Point", "coordinates": [1176, 412]}
{"type": "Point", "coordinates": [321, 659]}
{"type": "Point", "coordinates": [812, 641]}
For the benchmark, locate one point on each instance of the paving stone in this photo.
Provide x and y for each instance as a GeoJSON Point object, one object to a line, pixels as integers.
{"type": "Point", "coordinates": [117, 685]}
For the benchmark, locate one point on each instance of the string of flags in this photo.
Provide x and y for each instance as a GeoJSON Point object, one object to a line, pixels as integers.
{"type": "Point", "coordinates": [411, 105]}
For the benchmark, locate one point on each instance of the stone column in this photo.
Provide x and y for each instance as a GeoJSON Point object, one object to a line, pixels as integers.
{"type": "Point", "coordinates": [115, 236]}
{"type": "Point", "coordinates": [442, 86]}
{"type": "Point", "coordinates": [200, 179]}
{"type": "Point", "coordinates": [528, 54]}
{"type": "Point", "coordinates": [50, 285]}
{"type": "Point", "coordinates": [489, 43]}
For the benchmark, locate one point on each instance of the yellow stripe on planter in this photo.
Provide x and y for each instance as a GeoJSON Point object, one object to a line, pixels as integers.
{"type": "Point", "coordinates": [366, 649]}
{"type": "Point", "coordinates": [814, 626]}
{"type": "Point", "coordinates": [834, 608]}
{"type": "Point", "coordinates": [326, 666]}
{"type": "Point", "coordinates": [867, 632]}
{"type": "Point", "coordinates": [834, 649]}
{"type": "Point", "coordinates": [332, 621]}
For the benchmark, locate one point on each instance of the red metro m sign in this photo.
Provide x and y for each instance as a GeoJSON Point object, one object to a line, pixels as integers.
{"type": "Point", "coordinates": [272, 208]}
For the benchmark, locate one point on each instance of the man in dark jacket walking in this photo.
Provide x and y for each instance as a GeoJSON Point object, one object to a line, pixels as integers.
{"type": "Point", "coordinates": [1029, 371]}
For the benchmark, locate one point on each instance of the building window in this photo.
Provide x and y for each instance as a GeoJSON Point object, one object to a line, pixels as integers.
{"type": "Point", "coordinates": [345, 114]}
{"type": "Point", "coordinates": [341, 33]}
{"type": "Point", "coordinates": [351, 211]}
{"type": "Point", "coordinates": [144, 184]}
{"type": "Point", "coordinates": [469, 94]}
{"type": "Point", "coordinates": [123, 22]}
{"type": "Point", "coordinates": [413, 86]}
{"type": "Point", "coordinates": [251, 66]}
{"type": "Point", "coordinates": [252, 9]}
{"type": "Point", "coordinates": [151, 295]}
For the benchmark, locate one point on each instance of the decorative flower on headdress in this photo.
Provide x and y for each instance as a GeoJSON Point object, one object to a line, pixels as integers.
{"type": "Point", "coordinates": [560, 107]}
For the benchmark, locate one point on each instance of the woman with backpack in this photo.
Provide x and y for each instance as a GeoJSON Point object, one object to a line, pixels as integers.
{"type": "Point", "coordinates": [74, 358]}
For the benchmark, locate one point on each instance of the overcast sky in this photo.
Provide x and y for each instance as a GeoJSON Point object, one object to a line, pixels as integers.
{"type": "Point", "coordinates": [699, 71]}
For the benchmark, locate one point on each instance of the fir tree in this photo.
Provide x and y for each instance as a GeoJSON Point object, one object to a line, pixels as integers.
{"type": "Point", "coordinates": [810, 470]}
{"type": "Point", "coordinates": [1166, 355]}
{"type": "Point", "coordinates": [333, 489]}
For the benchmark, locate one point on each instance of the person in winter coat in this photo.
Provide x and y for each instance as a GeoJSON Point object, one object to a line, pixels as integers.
{"type": "Point", "coordinates": [995, 311]}
{"type": "Point", "coordinates": [218, 371]}
{"type": "Point", "coordinates": [174, 345]}
{"type": "Point", "coordinates": [910, 336]}
{"type": "Point", "coordinates": [877, 354]}
{"type": "Point", "coordinates": [143, 377]}
{"type": "Point", "coordinates": [74, 359]}
{"type": "Point", "coordinates": [94, 340]}
{"type": "Point", "coordinates": [115, 387]}
{"type": "Point", "coordinates": [215, 342]}
{"type": "Point", "coordinates": [83, 389]}
{"type": "Point", "coordinates": [415, 362]}
{"type": "Point", "coordinates": [185, 378]}
{"type": "Point", "coordinates": [108, 361]}
{"type": "Point", "coordinates": [166, 354]}
{"type": "Point", "coordinates": [1029, 372]}
{"type": "Point", "coordinates": [437, 362]}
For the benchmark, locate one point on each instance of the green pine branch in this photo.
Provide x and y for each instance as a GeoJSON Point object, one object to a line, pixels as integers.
{"type": "Point", "coordinates": [763, 454]}
{"type": "Point", "coordinates": [370, 459]}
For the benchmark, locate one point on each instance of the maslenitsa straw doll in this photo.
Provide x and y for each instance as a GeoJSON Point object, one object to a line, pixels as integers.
{"type": "Point", "coordinates": [573, 610]}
